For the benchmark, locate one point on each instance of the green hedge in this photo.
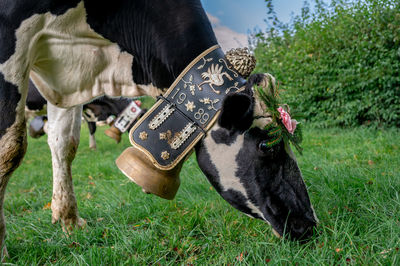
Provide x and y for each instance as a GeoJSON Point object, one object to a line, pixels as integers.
{"type": "Point", "coordinates": [340, 64]}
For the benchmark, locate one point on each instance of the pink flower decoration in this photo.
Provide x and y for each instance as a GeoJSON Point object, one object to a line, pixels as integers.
{"type": "Point", "coordinates": [287, 121]}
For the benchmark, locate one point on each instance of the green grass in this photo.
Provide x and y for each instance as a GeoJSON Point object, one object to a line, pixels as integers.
{"type": "Point", "coordinates": [352, 175]}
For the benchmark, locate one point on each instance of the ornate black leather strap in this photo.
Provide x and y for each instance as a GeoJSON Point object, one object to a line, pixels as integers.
{"type": "Point", "coordinates": [179, 119]}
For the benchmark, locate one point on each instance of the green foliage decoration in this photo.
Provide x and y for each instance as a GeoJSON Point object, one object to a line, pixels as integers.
{"type": "Point", "coordinates": [340, 64]}
{"type": "Point", "coordinates": [277, 131]}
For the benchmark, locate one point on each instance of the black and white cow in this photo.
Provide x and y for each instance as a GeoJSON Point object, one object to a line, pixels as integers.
{"type": "Point", "coordinates": [76, 50]}
{"type": "Point", "coordinates": [98, 110]}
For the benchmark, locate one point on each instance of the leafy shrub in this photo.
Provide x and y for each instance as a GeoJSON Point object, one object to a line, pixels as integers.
{"type": "Point", "coordinates": [339, 64]}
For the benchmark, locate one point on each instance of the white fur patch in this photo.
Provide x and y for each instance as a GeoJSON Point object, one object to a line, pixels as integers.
{"type": "Point", "coordinates": [71, 64]}
{"type": "Point", "coordinates": [224, 159]}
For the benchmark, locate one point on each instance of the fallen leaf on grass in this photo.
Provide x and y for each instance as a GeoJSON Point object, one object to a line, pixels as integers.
{"type": "Point", "coordinates": [105, 233]}
{"type": "Point", "coordinates": [240, 257]}
{"type": "Point", "coordinates": [28, 190]}
{"type": "Point", "coordinates": [74, 245]}
{"type": "Point", "coordinates": [136, 226]}
{"type": "Point", "coordinates": [90, 177]}
{"type": "Point", "coordinates": [26, 210]}
{"type": "Point", "coordinates": [348, 209]}
{"type": "Point", "coordinates": [100, 219]}
{"type": "Point", "coordinates": [92, 184]}
{"type": "Point", "coordinates": [267, 260]}
{"type": "Point", "coordinates": [370, 162]}
{"type": "Point", "coordinates": [89, 195]}
{"type": "Point", "coordinates": [178, 250]}
{"type": "Point", "coordinates": [338, 250]}
{"type": "Point", "coordinates": [47, 206]}
{"type": "Point", "coordinates": [385, 252]}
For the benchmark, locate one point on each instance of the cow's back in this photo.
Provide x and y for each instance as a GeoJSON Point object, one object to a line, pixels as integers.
{"type": "Point", "coordinates": [79, 50]}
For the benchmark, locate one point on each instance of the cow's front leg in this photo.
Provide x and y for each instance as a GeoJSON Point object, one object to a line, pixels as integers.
{"type": "Point", "coordinates": [63, 138]}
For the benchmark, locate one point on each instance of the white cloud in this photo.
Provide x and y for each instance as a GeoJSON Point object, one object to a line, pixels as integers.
{"type": "Point", "coordinates": [214, 20]}
{"type": "Point", "coordinates": [227, 37]}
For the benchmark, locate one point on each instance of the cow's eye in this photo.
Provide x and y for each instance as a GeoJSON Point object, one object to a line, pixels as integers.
{"type": "Point", "coordinates": [270, 149]}
{"type": "Point", "coordinates": [265, 147]}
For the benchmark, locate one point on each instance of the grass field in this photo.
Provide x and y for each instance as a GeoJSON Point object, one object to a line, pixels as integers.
{"type": "Point", "coordinates": [352, 175]}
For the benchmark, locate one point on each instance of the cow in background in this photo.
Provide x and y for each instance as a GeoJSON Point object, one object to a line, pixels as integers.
{"type": "Point", "coordinates": [99, 110]}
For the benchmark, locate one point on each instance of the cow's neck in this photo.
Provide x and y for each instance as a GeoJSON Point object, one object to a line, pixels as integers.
{"type": "Point", "coordinates": [162, 46]}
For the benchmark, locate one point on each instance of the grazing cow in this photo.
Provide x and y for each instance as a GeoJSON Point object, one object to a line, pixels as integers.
{"type": "Point", "coordinates": [96, 111]}
{"type": "Point", "coordinates": [76, 50]}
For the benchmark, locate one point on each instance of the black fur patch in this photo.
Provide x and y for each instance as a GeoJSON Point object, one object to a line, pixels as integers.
{"type": "Point", "coordinates": [9, 98]}
{"type": "Point", "coordinates": [34, 100]}
{"type": "Point", "coordinates": [224, 136]}
{"type": "Point", "coordinates": [92, 127]}
{"type": "Point", "coordinates": [237, 112]}
{"type": "Point", "coordinates": [164, 36]}
{"type": "Point", "coordinates": [238, 201]}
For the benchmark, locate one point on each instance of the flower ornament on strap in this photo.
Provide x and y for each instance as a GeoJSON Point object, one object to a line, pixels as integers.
{"type": "Point", "coordinates": [282, 127]}
{"type": "Point", "coordinates": [287, 120]}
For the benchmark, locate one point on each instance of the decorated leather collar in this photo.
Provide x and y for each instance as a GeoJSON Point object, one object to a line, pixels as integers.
{"type": "Point", "coordinates": [189, 108]}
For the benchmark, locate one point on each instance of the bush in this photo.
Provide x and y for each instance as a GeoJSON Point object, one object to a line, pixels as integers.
{"type": "Point", "coordinates": [340, 64]}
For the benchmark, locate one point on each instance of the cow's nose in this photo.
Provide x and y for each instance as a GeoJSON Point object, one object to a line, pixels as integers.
{"type": "Point", "coordinates": [302, 230]}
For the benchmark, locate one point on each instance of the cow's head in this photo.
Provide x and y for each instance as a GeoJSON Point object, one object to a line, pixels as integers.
{"type": "Point", "coordinates": [262, 182]}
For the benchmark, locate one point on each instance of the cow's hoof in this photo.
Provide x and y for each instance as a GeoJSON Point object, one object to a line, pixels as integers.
{"type": "Point", "coordinates": [114, 133]}
{"type": "Point", "coordinates": [69, 228]}
{"type": "Point", "coordinates": [93, 148]}
{"type": "Point", "coordinates": [81, 223]}
{"type": "Point", "coordinates": [138, 168]}
{"type": "Point", "coordinates": [37, 127]}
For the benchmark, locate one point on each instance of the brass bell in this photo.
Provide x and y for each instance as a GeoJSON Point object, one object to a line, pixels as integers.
{"type": "Point", "coordinates": [138, 168]}
{"type": "Point", "coordinates": [114, 133]}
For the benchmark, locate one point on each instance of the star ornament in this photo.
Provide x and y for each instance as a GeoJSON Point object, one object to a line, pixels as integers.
{"type": "Point", "coordinates": [190, 106]}
{"type": "Point", "coordinates": [165, 155]}
{"type": "Point", "coordinates": [143, 135]}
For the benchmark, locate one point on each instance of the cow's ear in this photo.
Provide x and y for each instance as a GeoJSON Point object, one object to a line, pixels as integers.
{"type": "Point", "coordinates": [237, 112]}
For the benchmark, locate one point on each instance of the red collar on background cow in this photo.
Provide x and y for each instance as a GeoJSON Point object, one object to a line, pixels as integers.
{"type": "Point", "coordinates": [180, 118]}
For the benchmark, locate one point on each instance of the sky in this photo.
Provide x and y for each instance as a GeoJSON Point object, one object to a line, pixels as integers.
{"type": "Point", "coordinates": [232, 20]}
